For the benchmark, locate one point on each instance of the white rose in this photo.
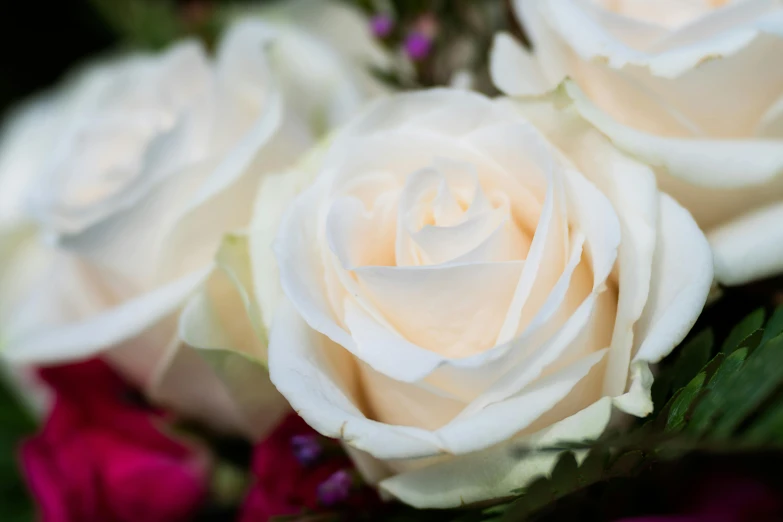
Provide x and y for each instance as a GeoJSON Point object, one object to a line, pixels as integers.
{"type": "Point", "coordinates": [123, 182]}
{"type": "Point", "coordinates": [693, 88]}
{"type": "Point", "coordinates": [464, 275]}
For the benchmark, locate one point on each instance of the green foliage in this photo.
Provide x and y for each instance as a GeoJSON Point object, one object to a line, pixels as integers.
{"type": "Point", "coordinates": [15, 504]}
{"type": "Point", "coordinates": [742, 333]}
{"type": "Point", "coordinates": [154, 24]}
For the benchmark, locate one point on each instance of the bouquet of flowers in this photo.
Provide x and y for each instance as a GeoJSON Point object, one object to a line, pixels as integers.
{"type": "Point", "coordinates": [311, 260]}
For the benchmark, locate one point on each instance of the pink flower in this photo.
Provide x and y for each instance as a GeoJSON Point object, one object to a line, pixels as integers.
{"type": "Point", "coordinates": [102, 458]}
{"type": "Point", "coordinates": [418, 45]}
{"type": "Point", "coordinates": [382, 25]}
{"type": "Point", "coordinates": [286, 484]}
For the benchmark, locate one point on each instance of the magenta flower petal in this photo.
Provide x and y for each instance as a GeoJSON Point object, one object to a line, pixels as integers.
{"type": "Point", "coordinates": [418, 45]}
{"type": "Point", "coordinates": [382, 25]}
{"type": "Point", "coordinates": [336, 489]}
{"type": "Point", "coordinates": [100, 458]}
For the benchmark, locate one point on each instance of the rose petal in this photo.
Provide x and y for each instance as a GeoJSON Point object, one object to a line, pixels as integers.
{"type": "Point", "coordinates": [771, 123]}
{"type": "Point", "coordinates": [62, 342]}
{"type": "Point", "coordinates": [539, 276]}
{"type": "Point", "coordinates": [589, 39]}
{"type": "Point", "coordinates": [445, 485]}
{"type": "Point", "coordinates": [677, 288]}
{"type": "Point", "coordinates": [223, 322]}
{"type": "Point", "coordinates": [690, 160]}
{"type": "Point", "coordinates": [26, 132]}
{"type": "Point", "coordinates": [500, 421]}
{"type": "Point", "coordinates": [404, 404]}
{"type": "Point", "coordinates": [514, 70]}
{"type": "Point", "coordinates": [630, 187]}
{"type": "Point", "coordinates": [275, 193]}
{"type": "Point", "coordinates": [122, 97]}
{"type": "Point", "coordinates": [301, 369]}
{"type": "Point", "coordinates": [750, 247]}
{"type": "Point", "coordinates": [228, 192]}
{"type": "Point", "coordinates": [585, 329]}
{"type": "Point", "coordinates": [454, 311]}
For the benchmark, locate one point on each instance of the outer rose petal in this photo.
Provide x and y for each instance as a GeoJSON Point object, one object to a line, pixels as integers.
{"type": "Point", "coordinates": [350, 48]}
{"type": "Point", "coordinates": [514, 70]}
{"type": "Point", "coordinates": [630, 187]}
{"type": "Point", "coordinates": [63, 342]}
{"type": "Point", "coordinates": [300, 368]}
{"type": "Point", "coordinates": [224, 201]}
{"type": "Point", "coordinates": [23, 142]}
{"type": "Point", "coordinates": [223, 322]}
{"type": "Point", "coordinates": [750, 247]}
{"type": "Point", "coordinates": [453, 482]}
{"type": "Point", "coordinates": [771, 124]}
{"type": "Point", "coordinates": [187, 383]}
{"type": "Point", "coordinates": [704, 162]}
{"type": "Point", "coordinates": [276, 193]}
{"type": "Point", "coordinates": [681, 279]}
{"type": "Point", "coordinates": [494, 472]}
{"type": "Point", "coordinates": [571, 22]}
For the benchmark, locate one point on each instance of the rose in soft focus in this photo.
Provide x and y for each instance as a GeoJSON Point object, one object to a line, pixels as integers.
{"type": "Point", "coordinates": [101, 458]}
{"type": "Point", "coordinates": [294, 470]}
{"type": "Point", "coordinates": [118, 187]}
{"type": "Point", "coordinates": [693, 88]}
{"type": "Point", "coordinates": [465, 276]}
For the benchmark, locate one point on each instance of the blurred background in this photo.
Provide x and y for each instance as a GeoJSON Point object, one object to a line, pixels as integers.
{"type": "Point", "coordinates": [39, 42]}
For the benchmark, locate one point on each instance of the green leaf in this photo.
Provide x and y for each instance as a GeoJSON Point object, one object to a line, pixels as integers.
{"type": "Point", "coordinates": [565, 474]}
{"type": "Point", "coordinates": [768, 428]}
{"type": "Point", "coordinates": [752, 341]}
{"type": "Point", "coordinates": [750, 324]}
{"type": "Point", "coordinates": [661, 388]}
{"type": "Point", "coordinates": [536, 496]}
{"type": "Point", "coordinates": [717, 391]}
{"type": "Point", "coordinates": [760, 376]}
{"type": "Point", "coordinates": [17, 423]}
{"type": "Point", "coordinates": [774, 326]}
{"type": "Point", "coordinates": [682, 403]}
{"type": "Point", "coordinates": [146, 23]}
{"type": "Point", "coordinates": [592, 467]}
{"type": "Point", "coordinates": [693, 356]}
{"type": "Point", "coordinates": [626, 464]}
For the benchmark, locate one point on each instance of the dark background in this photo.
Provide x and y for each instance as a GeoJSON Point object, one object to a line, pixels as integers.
{"type": "Point", "coordinates": [41, 39]}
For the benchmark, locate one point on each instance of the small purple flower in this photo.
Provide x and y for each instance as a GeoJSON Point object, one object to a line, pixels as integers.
{"type": "Point", "coordinates": [418, 45]}
{"type": "Point", "coordinates": [306, 448]}
{"type": "Point", "coordinates": [335, 489]}
{"type": "Point", "coordinates": [382, 25]}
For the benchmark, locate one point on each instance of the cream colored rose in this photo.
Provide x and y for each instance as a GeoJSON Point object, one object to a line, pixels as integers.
{"type": "Point", "coordinates": [694, 88]}
{"type": "Point", "coordinates": [463, 276]}
{"type": "Point", "coordinates": [122, 183]}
